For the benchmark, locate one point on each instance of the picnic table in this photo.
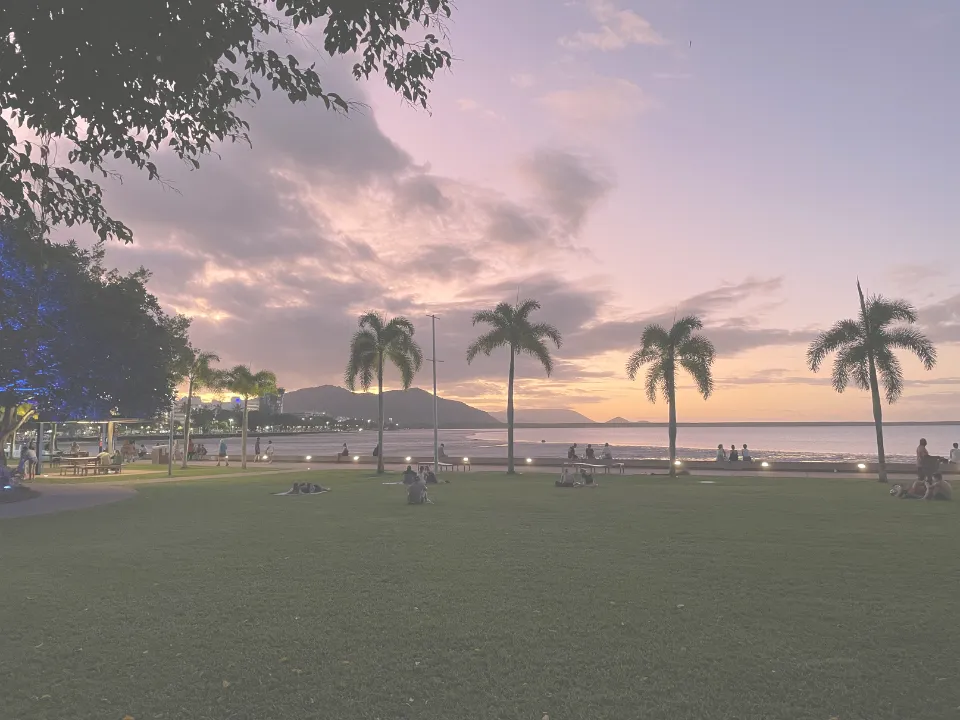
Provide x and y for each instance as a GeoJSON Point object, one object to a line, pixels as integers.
{"type": "Point", "coordinates": [604, 465]}
{"type": "Point", "coordinates": [447, 463]}
{"type": "Point", "coordinates": [86, 465]}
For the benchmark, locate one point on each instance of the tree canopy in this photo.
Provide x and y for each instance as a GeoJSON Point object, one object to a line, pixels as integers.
{"type": "Point", "coordinates": [115, 80]}
{"type": "Point", "coordinates": [79, 341]}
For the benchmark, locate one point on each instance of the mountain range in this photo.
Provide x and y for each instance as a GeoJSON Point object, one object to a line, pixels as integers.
{"type": "Point", "coordinates": [409, 408]}
{"type": "Point", "coordinates": [546, 416]}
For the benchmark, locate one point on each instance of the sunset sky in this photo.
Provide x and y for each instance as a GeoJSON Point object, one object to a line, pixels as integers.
{"type": "Point", "coordinates": [618, 161]}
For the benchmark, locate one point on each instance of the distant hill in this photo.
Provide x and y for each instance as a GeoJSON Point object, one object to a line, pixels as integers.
{"type": "Point", "coordinates": [617, 421]}
{"type": "Point", "coordinates": [410, 408]}
{"type": "Point", "coordinates": [548, 416]}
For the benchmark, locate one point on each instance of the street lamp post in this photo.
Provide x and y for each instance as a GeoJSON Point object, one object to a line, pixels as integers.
{"type": "Point", "coordinates": [436, 423]}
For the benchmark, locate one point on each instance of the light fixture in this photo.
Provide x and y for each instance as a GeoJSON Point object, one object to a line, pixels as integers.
{"type": "Point", "coordinates": [677, 462]}
{"type": "Point", "coordinates": [309, 457]}
{"type": "Point", "coordinates": [764, 464]}
{"type": "Point", "coordinates": [862, 466]}
{"type": "Point", "coordinates": [408, 458]}
{"type": "Point", "coordinates": [466, 459]}
{"type": "Point", "coordinates": [356, 457]}
{"type": "Point", "coordinates": [529, 460]}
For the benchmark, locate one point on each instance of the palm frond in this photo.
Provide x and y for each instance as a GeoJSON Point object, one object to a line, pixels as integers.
{"type": "Point", "coordinates": [546, 330]}
{"type": "Point", "coordinates": [843, 333]}
{"type": "Point", "coordinates": [907, 338]}
{"type": "Point", "coordinates": [857, 362]}
{"type": "Point", "coordinates": [487, 343]}
{"type": "Point", "coordinates": [655, 380]}
{"type": "Point", "coordinates": [406, 355]}
{"type": "Point", "coordinates": [524, 308]}
{"type": "Point", "coordinates": [655, 336]}
{"type": "Point", "coordinates": [534, 346]}
{"type": "Point", "coordinates": [699, 368]}
{"type": "Point", "coordinates": [374, 321]}
{"type": "Point", "coordinates": [697, 347]}
{"type": "Point", "coordinates": [683, 328]}
{"type": "Point", "coordinates": [400, 324]}
{"type": "Point", "coordinates": [362, 361]}
{"type": "Point", "coordinates": [882, 312]}
{"type": "Point", "coordinates": [890, 374]}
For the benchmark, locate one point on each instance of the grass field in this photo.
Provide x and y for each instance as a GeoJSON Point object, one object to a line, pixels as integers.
{"type": "Point", "coordinates": [643, 598]}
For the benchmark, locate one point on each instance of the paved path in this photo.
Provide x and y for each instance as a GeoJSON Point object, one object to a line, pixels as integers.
{"type": "Point", "coordinates": [57, 498]}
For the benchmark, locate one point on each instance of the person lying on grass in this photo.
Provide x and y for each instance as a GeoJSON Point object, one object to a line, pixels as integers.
{"type": "Point", "coordinates": [308, 488]}
{"type": "Point", "coordinates": [936, 488]}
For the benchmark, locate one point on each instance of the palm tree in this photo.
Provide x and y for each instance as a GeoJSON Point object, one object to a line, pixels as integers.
{"type": "Point", "coordinates": [662, 350]}
{"type": "Point", "coordinates": [512, 329]}
{"type": "Point", "coordinates": [247, 384]}
{"type": "Point", "coordinates": [374, 344]}
{"type": "Point", "coordinates": [864, 350]}
{"type": "Point", "coordinates": [199, 375]}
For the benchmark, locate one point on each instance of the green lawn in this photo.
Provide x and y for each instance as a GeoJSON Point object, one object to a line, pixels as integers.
{"type": "Point", "coordinates": [643, 598]}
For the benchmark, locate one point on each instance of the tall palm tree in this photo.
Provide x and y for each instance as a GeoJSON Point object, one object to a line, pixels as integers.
{"type": "Point", "coordinates": [864, 350]}
{"type": "Point", "coordinates": [200, 375]}
{"type": "Point", "coordinates": [511, 328]}
{"type": "Point", "coordinates": [377, 342]}
{"type": "Point", "coordinates": [662, 351]}
{"type": "Point", "coordinates": [247, 384]}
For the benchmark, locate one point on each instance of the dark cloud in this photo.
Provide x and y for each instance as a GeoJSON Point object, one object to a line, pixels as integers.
{"type": "Point", "coordinates": [568, 184]}
{"type": "Point", "coordinates": [511, 224]}
{"type": "Point", "coordinates": [941, 320]}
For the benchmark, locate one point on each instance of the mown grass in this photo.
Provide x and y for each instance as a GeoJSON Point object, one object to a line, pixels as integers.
{"type": "Point", "coordinates": [507, 598]}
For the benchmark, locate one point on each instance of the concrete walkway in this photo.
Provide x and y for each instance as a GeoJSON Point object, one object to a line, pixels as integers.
{"type": "Point", "coordinates": [57, 498]}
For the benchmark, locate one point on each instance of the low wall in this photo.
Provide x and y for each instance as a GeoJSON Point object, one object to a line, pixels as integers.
{"type": "Point", "coordinates": [662, 465]}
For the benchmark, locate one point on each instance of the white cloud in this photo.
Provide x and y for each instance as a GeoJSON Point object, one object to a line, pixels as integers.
{"type": "Point", "coordinates": [603, 101]}
{"type": "Point", "coordinates": [618, 29]}
{"type": "Point", "coordinates": [523, 80]}
{"type": "Point", "coordinates": [467, 105]}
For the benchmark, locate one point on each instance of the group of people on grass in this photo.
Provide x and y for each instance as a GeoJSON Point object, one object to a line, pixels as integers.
{"type": "Point", "coordinates": [417, 481]}
{"type": "Point", "coordinates": [590, 454]}
{"type": "Point", "coordinates": [930, 483]}
{"type": "Point", "coordinates": [582, 477]}
{"type": "Point", "coordinates": [734, 456]}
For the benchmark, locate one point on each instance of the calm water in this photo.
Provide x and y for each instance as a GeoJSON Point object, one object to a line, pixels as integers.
{"type": "Point", "coordinates": [772, 443]}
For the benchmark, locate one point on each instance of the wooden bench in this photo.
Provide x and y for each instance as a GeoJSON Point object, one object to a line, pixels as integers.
{"type": "Point", "coordinates": [605, 466]}
{"type": "Point", "coordinates": [446, 464]}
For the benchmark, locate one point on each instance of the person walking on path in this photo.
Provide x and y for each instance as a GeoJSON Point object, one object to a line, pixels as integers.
{"type": "Point", "coordinates": [222, 453]}
{"type": "Point", "coordinates": [256, 451]}
{"type": "Point", "coordinates": [270, 451]}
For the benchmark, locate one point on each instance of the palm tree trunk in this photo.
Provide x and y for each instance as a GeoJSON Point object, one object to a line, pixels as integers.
{"type": "Point", "coordinates": [510, 465]}
{"type": "Point", "coordinates": [243, 436]}
{"type": "Point", "coordinates": [380, 466]}
{"type": "Point", "coordinates": [874, 387]}
{"type": "Point", "coordinates": [186, 425]}
{"type": "Point", "coordinates": [672, 422]}
{"type": "Point", "coordinates": [878, 419]}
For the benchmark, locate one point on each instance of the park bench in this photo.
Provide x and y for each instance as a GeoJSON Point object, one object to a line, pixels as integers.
{"type": "Point", "coordinates": [605, 465]}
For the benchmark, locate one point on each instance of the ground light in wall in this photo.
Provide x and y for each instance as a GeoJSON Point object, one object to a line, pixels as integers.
{"type": "Point", "coordinates": [862, 466]}
{"type": "Point", "coordinates": [356, 458]}
{"type": "Point", "coordinates": [677, 463]}
{"type": "Point", "coordinates": [309, 457]}
{"type": "Point", "coordinates": [764, 464]}
{"type": "Point", "coordinates": [409, 458]}
{"type": "Point", "coordinates": [529, 460]}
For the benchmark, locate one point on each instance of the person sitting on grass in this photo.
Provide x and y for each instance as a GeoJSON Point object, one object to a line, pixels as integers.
{"type": "Point", "coordinates": [409, 476]}
{"type": "Point", "coordinates": [429, 477]}
{"type": "Point", "coordinates": [567, 479]}
{"type": "Point", "coordinates": [586, 477]}
{"type": "Point", "coordinates": [417, 492]}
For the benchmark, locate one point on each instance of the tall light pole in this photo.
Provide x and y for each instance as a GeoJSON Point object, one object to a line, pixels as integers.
{"type": "Point", "coordinates": [436, 423]}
